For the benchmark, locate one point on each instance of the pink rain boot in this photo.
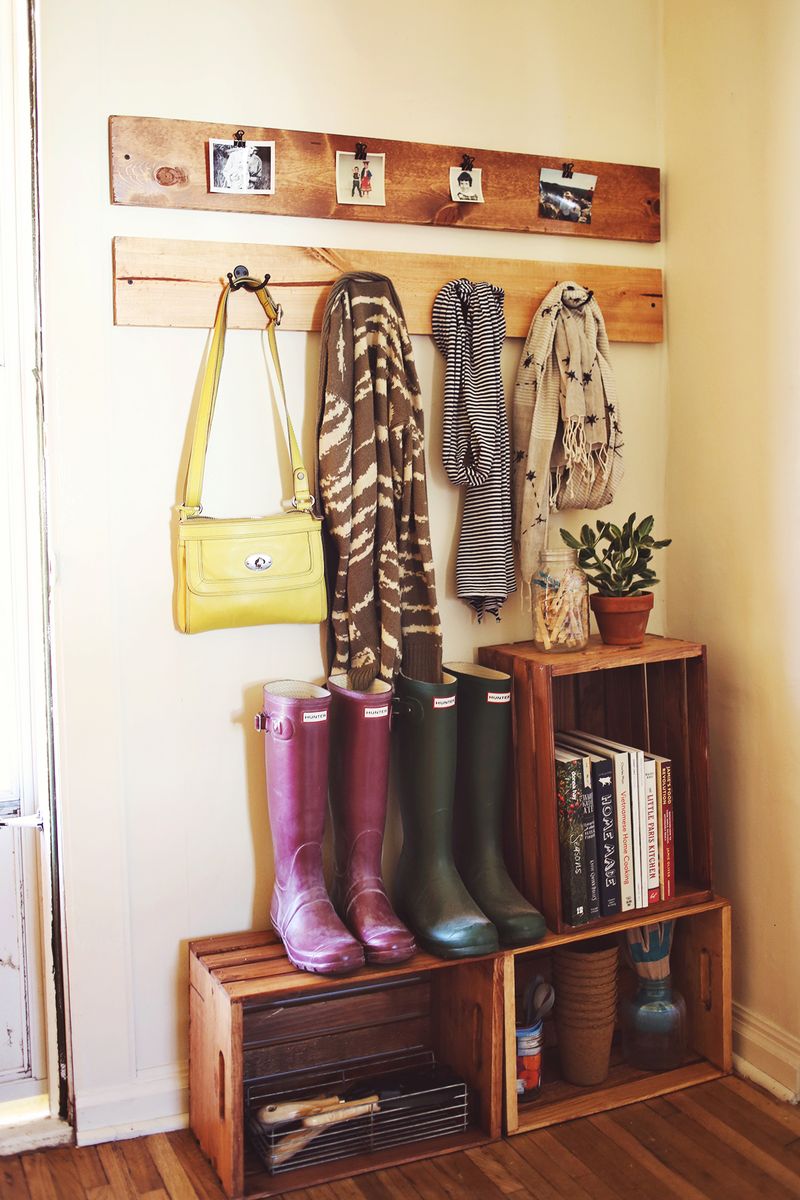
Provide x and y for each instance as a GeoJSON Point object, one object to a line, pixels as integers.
{"type": "Point", "coordinates": [359, 779]}
{"type": "Point", "coordinates": [295, 721]}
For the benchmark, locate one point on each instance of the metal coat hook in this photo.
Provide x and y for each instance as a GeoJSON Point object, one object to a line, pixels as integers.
{"type": "Point", "coordinates": [361, 151]}
{"type": "Point", "coordinates": [467, 162]}
{"type": "Point", "coordinates": [238, 137]}
{"type": "Point", "coordinates": [566, 170]}
{"type": "Point", "coordinates": [240, 277]}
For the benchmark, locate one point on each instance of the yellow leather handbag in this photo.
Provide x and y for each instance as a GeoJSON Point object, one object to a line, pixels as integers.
{"type": "Point", "coordinates": [247, 570]}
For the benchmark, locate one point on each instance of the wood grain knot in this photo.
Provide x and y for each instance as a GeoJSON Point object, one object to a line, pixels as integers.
{"type": "Point", "coordinates": [171, 176]}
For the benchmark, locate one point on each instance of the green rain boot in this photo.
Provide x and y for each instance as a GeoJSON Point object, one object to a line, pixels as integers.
{"type": "Point", "coordinates": [484, 732]}
{"type": "Point", "coordinates": [429, 894]}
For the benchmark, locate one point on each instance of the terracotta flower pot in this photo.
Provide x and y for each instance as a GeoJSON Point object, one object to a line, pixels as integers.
{"type": "Point", "coordinates": [591, 996]}
{"type": "Point", "coordinates": [622, 620]}
{"type": "Point", "coordinates": [585, 1053]}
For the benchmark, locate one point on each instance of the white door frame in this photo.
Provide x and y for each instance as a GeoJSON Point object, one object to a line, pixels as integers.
{"type": "Point", "coordinates": [20, 363]}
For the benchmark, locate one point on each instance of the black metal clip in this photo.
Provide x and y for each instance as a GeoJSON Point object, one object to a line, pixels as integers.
{"type": "Point", "coordinates": [240, 277]}
{"type": "Point", "coordinates": [238, 138]}
{"type": "Point", "coordinates": [566, 170]}
{"type": "Point", "coordinates": [361, 151]}
{"type": "Point", "coordinates": [467, 162]}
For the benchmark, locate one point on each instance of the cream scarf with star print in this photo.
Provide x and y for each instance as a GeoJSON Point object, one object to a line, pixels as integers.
{"type": "Point", "coordinates": [567, 437]}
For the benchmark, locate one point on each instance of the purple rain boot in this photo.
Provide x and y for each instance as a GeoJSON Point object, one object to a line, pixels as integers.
{"type": "Point", "coordinates": [295, 721]}
{"type": "Point", "coordinates": [359, 780]}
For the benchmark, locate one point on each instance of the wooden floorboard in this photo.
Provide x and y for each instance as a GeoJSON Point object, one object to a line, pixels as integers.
{"type": "Point", "coordinates": [727, 1139]}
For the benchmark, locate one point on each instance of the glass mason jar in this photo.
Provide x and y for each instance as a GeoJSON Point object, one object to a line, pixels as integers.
{"type": "Point", "coordinates": [654, 1026]}
{"type": "Point", "coordinates": [560, 601]}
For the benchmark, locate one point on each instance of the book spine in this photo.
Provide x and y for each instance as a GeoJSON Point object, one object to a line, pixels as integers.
{"type": "Point", "coordinates": [639, 868]}
{"type": "Point", "coordinates": [569, 798]}
{"type": "Point", "coordinates": [606, 835]}
{"type": "Point", "coordinates": [668, 832]}
{"type": "Point", "coordinates": [653, 889]}
{"type": "Point", "coordinates": [660, 828]}
{"type": "Point", "coordinates": [590, 842]}
{"type": "Point", "coordinates": [622, 801]}
{"type": "Point", "coordinates": [643, 826]}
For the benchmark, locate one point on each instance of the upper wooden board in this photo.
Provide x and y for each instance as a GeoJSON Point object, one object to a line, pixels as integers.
{"type": "Point", "coordinates": [177, 283]}
{"type": "Point", "coordinates": [164, 163]}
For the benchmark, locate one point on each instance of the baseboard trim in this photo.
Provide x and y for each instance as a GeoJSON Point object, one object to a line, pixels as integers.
{"type": "Point", "coordinates": [157, 1101]}
{"type": "Point", "coordinates": [766, 1053]}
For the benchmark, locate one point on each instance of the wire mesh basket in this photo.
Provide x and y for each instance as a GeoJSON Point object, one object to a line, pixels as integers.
{"type": "Point", "coordinates": [356, 1107]}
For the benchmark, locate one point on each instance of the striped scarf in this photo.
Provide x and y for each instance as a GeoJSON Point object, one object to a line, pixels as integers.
{"type": "Point", "coordinates": [469, 328]}
{"type": "Point", "coordinates": [566, 422]}
{"type": "Point", "coordinates": [372, 488]}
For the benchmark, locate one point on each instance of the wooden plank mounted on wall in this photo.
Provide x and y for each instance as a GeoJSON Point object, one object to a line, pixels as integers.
{"type": "Point", "coordinates": [177, 283]}
{"type": "Point", "coordinates": [164, 163]}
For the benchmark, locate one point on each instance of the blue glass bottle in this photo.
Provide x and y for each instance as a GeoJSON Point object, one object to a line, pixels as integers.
{"type": "Point", "coordinates": [654, 1026]}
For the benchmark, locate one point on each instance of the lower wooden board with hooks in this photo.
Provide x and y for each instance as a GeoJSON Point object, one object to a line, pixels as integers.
{"type": "Point", "coordinates": [169, 283]}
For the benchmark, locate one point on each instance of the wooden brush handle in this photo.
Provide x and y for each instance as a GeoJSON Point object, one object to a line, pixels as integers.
{"type": "Point", "coordinates": [295, 1110]}
{"type": "Point", "coordinates": [317, 1123]}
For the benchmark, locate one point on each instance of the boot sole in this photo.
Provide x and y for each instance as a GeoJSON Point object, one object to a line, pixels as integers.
{"type": "Point", "coordinates": [388, 956]}
{"type": "Point", "coordinates": [335, 967]}
{"type": "Point", "coordinates": [457, 951]}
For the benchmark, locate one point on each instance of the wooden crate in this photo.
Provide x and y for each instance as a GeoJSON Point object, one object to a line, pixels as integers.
{"type": "Point", "coordinates": [701, 971]}
{"type": "Point", "coordinates": [241, 1028]}
{"type": "Point", "coordinates": [652, 696]}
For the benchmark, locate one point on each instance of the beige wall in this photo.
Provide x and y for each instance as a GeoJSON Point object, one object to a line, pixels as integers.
{"type": "Point", "coordinates": [160, 777]}
{"type": "Point", "coordinates": [732, 98]}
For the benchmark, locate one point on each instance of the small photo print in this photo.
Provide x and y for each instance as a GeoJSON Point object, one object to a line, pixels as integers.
{"type": "Point", "coordinates": [566, 199]}
{"type": "Point", "coordinates": [360, 180]}
{"type": "Point", "coordinates": [243, 168]}
{"type": "Point", "coordinates": [466, 186]}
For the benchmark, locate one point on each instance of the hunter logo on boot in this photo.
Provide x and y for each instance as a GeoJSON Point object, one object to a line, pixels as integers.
{"type": "Point", "coordinates": [310, 717]}
{"type": "Point", "coordinates": [498, 697]}
{"type": "Point", "coordinates": [381, 711]}
{"type": "Point", "coordinates": [444, 701]}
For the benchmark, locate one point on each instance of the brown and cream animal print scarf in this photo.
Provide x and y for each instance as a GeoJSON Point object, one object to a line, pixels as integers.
{"type": "Point", "coordinates": [372, 487]}
{"type": "Point", "coordinates": [567, 437]}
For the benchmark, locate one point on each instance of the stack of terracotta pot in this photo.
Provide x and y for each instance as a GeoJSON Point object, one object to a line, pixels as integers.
{"type": "Point", "coordinates": [585, 977]}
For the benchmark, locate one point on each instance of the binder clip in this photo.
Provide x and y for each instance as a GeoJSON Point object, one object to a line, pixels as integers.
{"type": "Point", "coordinates": [566, 170]}
{"type": "Point", "coordinates": [361, 151]}
{"type": "Point", "coordinates": [238, 138]}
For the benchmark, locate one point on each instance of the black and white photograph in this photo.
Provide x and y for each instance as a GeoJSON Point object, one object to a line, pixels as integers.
{"type": "Point", "coordinates": [241, 167]}
{"type": "Point", "coordinates": [566, 198]}
{"type": "Point", "coordinates": [466, 186]}
{"type": "Point", "coordinates": [360, 180]}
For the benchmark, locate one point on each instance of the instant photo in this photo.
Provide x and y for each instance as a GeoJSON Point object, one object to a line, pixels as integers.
{"type": "Point", "coordinates": [466, 186]}
{"type": "Point", "coordinates": [241, 167]}
{"type": "Point", "coordinates": [360, 181]}
{"type": "Point", "coordinates": [566, 199]}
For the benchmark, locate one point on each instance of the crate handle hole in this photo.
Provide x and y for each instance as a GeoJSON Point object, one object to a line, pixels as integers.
{"type": "Point", "coordinates": [705, 979]}
{"type": "Point", "coordinates": [477, 1036]}
{"type": "Point", "coordinates": [221, 1068]}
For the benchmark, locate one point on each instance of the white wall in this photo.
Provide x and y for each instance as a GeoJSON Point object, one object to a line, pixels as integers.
{"type": "Point", "coordinates": [160, 776]}
{"type": "Point", "coordinates": [733, 260]}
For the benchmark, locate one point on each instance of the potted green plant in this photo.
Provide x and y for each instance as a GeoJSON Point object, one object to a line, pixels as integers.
{"type": "Point", "coordinates": [617, 561]}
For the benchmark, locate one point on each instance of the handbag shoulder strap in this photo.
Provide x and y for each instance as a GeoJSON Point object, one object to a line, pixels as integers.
{"type": "Point", "coordinates": [302, 499]}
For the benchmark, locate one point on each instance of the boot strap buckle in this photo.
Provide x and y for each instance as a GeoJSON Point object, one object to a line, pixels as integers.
{"type": "Point", "coordinates": [280, 727]}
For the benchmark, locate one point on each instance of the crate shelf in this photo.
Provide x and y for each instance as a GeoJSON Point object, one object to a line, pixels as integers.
{"type": "Point", "coordinates": [253, 1016]}
{"type": "Point", "coordinates": [652, 696]}
{"type": "Point", "coordinates": [701, 971]}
